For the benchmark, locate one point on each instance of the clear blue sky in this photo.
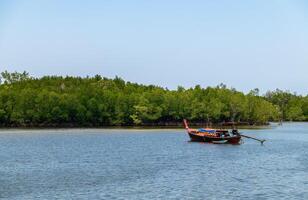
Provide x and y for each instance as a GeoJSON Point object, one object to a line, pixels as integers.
{"type": "Point", "coordinates": [242, 43]}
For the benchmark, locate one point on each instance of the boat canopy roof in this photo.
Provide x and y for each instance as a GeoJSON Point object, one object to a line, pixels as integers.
{"type": "Point", "coordinates": [206, 130]}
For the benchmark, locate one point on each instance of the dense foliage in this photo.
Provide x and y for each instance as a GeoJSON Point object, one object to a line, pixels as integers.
{"type": "Point", "coordinates": [98, 101]}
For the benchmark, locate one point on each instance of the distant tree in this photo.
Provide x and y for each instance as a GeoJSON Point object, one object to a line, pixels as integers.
{"type": "Point", "coordinates": [254, 92]}
{"type": "Point", "coordinates": [281, 99]}
{"type": "Point", "coordinates": [14, 77]}
{"type": "Point", "coordinates": [237, 106]}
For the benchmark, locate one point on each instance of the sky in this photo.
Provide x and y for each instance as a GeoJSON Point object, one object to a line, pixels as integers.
{"type": "Point", "coordinates": [244, 44]}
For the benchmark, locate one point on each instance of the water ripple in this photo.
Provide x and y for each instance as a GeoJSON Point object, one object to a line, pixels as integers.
{"type": "Point", "coordinates": [102, 164]}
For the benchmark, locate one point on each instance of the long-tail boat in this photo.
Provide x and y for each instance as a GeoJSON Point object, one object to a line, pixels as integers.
{"type": "Point", "coordinates": [216, 136]}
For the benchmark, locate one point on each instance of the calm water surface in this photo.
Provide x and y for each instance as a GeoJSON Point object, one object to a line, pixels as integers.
{"type": "Point", "coordinates": [152, 164]}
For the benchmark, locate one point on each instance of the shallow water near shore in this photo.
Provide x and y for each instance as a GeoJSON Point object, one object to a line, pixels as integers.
{"type": "Point", "coordinates": [152, 164]}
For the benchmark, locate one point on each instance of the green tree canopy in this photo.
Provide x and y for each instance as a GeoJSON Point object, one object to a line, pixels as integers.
{"type": "Point", "coordinates": [99, 101]}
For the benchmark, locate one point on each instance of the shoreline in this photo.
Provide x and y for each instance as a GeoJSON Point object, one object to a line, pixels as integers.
{"type": "Point", "coordinates": [131, 127]}
{"type": "Point", "coordinates": [148, 127]}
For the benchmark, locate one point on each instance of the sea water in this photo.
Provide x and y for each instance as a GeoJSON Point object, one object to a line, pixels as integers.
{"type": "Point", "coordinates": [152, 164]}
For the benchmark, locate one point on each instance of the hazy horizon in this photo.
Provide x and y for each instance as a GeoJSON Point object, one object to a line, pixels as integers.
{"type": "Point", "coordinates": [243, 44]}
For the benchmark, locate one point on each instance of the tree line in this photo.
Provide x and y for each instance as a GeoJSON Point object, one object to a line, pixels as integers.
{"type": "Point", "coordinates": [99, 101]}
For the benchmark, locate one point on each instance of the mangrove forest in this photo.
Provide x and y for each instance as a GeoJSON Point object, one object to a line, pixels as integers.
{"type": "Point", "coordinates": [53, 101]}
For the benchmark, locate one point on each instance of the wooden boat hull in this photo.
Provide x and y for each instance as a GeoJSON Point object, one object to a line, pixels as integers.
{"type": "Point", "coordinates": [216, 136]}
{"type": "Point", "coordinates": [202, 138]}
